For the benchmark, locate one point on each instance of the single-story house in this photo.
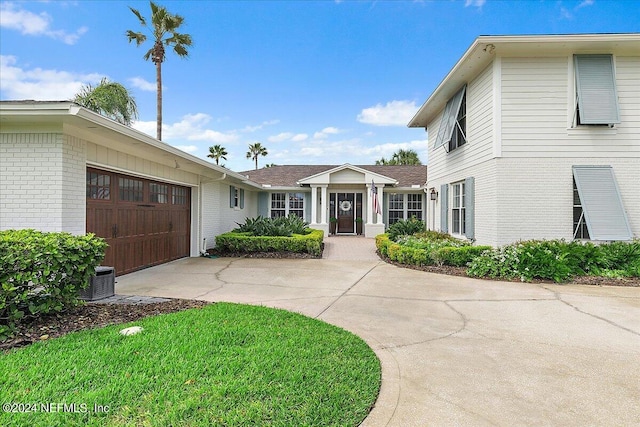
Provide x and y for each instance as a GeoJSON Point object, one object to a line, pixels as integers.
{"type": "Point", "coordinates": [66, 168]}
{"type": "Point", "coordinates": [537, 137]}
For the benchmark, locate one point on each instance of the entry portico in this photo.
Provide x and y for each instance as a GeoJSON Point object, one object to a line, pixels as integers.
{"type": "Point", "coordinates": [340, 199]}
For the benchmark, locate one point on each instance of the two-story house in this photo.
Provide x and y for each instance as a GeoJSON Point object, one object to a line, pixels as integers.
{"type": "Point", "coordinates": [537, 137]}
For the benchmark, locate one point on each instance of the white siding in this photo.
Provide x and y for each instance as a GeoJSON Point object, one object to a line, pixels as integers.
{"type": "Point", "coordinates": [479, 146]}
{"type": "Point", "coordinates": [537, 104]}
{"type": "Point", "coordinates": [38, 187]}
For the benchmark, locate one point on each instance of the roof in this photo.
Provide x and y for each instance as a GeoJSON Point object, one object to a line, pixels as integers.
{"type": "Point", "coordinates": [289, 175]}
{"type": "Point", "coordinates": [485, 48]}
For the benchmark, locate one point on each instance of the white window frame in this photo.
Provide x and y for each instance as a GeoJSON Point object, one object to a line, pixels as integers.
{"type": "Point", "coordinates": [457, 205]}
{"type": "Point", "coordinates": [408, 207]}
{"type": "Point", "coordinates": [414, 206]}
{"type": "Point", "coordinates": [288, 203]}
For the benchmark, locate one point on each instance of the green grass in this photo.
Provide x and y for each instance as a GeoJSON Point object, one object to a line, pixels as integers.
{"type": "Point", "coordinates": [225, 364]}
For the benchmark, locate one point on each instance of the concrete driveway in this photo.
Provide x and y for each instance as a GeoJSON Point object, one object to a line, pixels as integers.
{"type": "Point", "coordinates": [454, 351]}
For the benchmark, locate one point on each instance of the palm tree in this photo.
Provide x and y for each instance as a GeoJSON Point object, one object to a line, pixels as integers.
{"type": "Point", "coordinates": [110, 99]}
{"type": "Point", "coordinates": [164, 29]}
{"type": "Point", "coordinates": [217, 152]}
{"type": "Point", "coordinates": [256, 150]}
{"type": "Point", "coordinates": [401, 157]}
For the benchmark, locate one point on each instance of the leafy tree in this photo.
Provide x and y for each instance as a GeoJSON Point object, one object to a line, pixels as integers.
{"type": "Point", "coordinates": [401, 157]}
{"type": "Point", "coordinates": [256, 150]}
{"type": "Point", "coordinates": [110, 99]}
{"type": "Point", "coordinates": [164, 30]}
{"type": "Point", "coordinates": [217, 152]}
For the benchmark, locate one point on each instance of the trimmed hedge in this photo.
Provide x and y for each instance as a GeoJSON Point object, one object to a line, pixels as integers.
{"type": "Point", "coordinates": [236, 242]}
{"type": "Point", "coordinates": [42, 273]}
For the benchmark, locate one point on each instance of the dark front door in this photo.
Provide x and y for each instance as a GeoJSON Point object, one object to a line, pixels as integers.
{"type": "Point", "coordinates": [345, 209]}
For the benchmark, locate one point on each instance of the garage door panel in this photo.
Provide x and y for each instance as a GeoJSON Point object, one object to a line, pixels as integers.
{"type": "Point", "coordinates": [142, 224]}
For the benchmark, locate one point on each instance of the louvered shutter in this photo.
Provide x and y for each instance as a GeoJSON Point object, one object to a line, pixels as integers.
{"type": "Point", "coordinates": [444, 208]}
{"type": "Point", "coordinates": [448, 121]}
{"type": "Point", "coordinates": [241, 198]}
{"type": "Point", "coordinates": [601, 203]}
{"type": "Point", "coordinates": [469, 207]}
{"type": "Point", "coordinates": [232, 196]}
{"type": "Point", "coordinates": [596, 89]}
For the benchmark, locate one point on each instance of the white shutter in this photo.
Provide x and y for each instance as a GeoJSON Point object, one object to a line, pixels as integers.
{"type": "Point", "coordinates": [448, 121]}
{"type": "Point", "coordinates": [601, 203]}
{"type": "Point", "coordinates": [596, 88]}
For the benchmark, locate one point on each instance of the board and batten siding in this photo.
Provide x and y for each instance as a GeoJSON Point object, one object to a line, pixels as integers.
{"type": "Point", "coordinates": [42, 184]}
{"type": "Point", "coordinates": [538, 107]}
{"type": "Point", "coordinates": [479, 146]}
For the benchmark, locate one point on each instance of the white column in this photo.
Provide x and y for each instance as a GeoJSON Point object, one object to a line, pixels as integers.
{"type": "Point", "coordinates": [369, 205]}
{"type": "Point", "coordinates": [380, 191]}
{"type": "Point", "coordinates": [314, 205]}
{"type": "Point", "coordinates": [324, 203]}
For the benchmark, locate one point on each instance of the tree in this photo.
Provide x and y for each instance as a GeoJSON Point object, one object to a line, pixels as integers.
{"type": "Point", "coordinates": [256, 150]}
{"type": "Point", "coordinates": [164, 29]}
{"type": "Point", "coordinates": [217, 152]}
{"type": "Point", "coordinates": [401, 157]}
{"type": "Point", "coordinates": [110, 99]}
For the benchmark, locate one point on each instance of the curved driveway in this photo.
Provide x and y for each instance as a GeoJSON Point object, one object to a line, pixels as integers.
{"type": "Point", "coordinates": [454, 351]}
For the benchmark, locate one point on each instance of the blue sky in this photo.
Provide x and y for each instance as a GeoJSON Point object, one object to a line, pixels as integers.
{"type": "Point", "coordinates": [316, 82]}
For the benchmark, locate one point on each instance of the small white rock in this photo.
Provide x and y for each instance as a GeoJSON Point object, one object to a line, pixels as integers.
{"type": "Point", "coordinates": [131, 331]}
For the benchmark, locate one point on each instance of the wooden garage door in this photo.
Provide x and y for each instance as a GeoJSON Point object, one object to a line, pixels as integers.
{"type": "Point", "coordinates": [144, 222]}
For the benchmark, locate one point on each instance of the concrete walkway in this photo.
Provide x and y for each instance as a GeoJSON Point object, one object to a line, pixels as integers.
{"type": "Point", "coordinates": [454, 351]}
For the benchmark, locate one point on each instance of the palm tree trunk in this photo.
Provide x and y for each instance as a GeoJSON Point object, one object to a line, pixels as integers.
{"type": "Point", "coordinates": [159, 100]}
{"type": "Point", "coordinates": [256, 157]}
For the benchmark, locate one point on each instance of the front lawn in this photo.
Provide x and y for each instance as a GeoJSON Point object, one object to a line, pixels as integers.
{"type": "Point", "coordinates": [224, 364]}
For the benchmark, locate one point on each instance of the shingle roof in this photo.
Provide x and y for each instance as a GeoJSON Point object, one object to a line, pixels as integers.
{"type": "Point", "coordinates": [289, 175]}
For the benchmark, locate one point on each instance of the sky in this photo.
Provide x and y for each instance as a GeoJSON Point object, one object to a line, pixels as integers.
{"type": "Point", "coordinates": [315, 82]}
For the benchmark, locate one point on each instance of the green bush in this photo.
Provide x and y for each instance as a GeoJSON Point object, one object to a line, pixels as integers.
{"type": "Point", "coordinates": [428, 248]}
{"type": "Point", "coordinates": [42, 273]}
{"type": "Point", "coordinates": [405, 228]}
{"type": "Point", "coordinates": [244, 242]}
{"type": "Point", "coordinates": [458, 256]}
{"type": "Point", "coordinates": [281, 226]}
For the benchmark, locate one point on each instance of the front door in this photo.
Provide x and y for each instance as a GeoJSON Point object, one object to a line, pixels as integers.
{"type": "Point", "coordinates": [345, 213]}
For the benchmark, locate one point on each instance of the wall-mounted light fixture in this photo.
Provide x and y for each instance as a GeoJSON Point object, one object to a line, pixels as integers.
{"type": "Point", "coordinates": [433, 195]}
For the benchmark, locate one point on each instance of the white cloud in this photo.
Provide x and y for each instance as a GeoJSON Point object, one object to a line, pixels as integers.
{"type": "Point", "coordinates": [142, 84]}
{"type": "Point", "coordinates": [476, 3]}
{"type": "Point", "coordinates": [19, 83]}
{"type": "Point", "coordinates": [187, 148]}
{"type": "Point", "coordinates": [300, 137]}
{"type": "Point", "coordinates": [394, 113]}
{"type": "Point", "coordinates": [585, 3]}
{"type": "Point", "coordinates": [32, 24]}
{"type": "Point", "coordinates": [260, 126]}
{"type": "Point", "coordinates": [192, 127]}
{"type": "Point", "coordinates": [324, 133]}
{"type": "Point", "coordinates": [284, 136]}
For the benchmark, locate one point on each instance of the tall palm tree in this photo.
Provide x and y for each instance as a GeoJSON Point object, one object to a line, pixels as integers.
{"type": "Point", "coordinates": [217, 152]}
{"type": "Point", "coordinates": [256, 150]}
{"type": "Point", "coordinates": [110, 99]}
{"type": "Point", "coordinates": [401, 157]}
{"type": "Point", "coordinates": [164, 29]}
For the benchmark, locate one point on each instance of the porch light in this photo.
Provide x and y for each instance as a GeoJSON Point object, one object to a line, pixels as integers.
{"type": "Point", "coordinates": [433, 195]}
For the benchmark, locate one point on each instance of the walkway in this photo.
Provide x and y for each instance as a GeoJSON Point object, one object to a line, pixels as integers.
{"type": "Point", "coordinates": [349, 248]}
{"type": "Point", "coordinates": [454, 351]}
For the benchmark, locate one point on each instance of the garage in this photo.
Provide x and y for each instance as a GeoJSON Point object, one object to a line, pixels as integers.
{"type": "Point", "coordinates": [145, 222]}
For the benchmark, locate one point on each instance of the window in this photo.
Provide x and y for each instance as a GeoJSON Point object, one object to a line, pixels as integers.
{"type": "Point", "coordinates": [278, 205]}
{"type": "Point", "coordinates": [131, 190]}
{"type": "Point", "coordinates": [458, 225]}
{"type": "Point", "coordinates": [396, 208]}
{"type": "Point", "coordinates": [285, 204]}
{"type": "Point", "coordinates": [580, 230]}
{"type": "Point", "coordinates": [236, 197]}
{"type": "Point", "coordinates": [179, 196]}
{"type": "Point", "coordinates": [414, 206]}
{"type": "Point", "coordinates": [98, 186]}
{"type": "Point", "coordinates": [158, 193]}
{"type": "Point", "coordinates": [596, 96]}
{"type": "Point", "coordinates": [601, 205]}
{"type": "Point", "coordinates": [453, 126]}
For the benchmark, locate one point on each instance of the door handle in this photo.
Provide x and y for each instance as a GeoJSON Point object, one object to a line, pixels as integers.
{"type": "Point", "coordinates": [114, 231]}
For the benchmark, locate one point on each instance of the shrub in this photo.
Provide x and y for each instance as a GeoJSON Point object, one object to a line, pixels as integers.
{"type": "Point", "coordinates": [458, 256]}
{"type": "Point", "coordinates": [405, 228]}
{"type": "Point", "coordinates": [281, 226]}
{"type": "Point", "coordinates": [244, 242]}
{"type": "Point", "coordinates": [42, 273]}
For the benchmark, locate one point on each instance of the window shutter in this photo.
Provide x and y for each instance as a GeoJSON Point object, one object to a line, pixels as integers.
{"type": "Point", "coordinates": [307, 207]}
{"type": "Point", "coordinates": [241, 198]}
{"type": "Point", "coordinates": [263, 204]}
{"type": "Point", "coordinates": [601, 203]}
{"type": "Point", "coordinates": [448, 121]}
{"type": "Point", "coordinates": [385, 209]}
{"type": "Point", "coordinates": [232, 196]}
{"type": "Point", "coordinates": [469, 207]}
{"type": "Point", "coordinates": [444, 208]}
{"type": "Point", "coordinates": [596, 89]}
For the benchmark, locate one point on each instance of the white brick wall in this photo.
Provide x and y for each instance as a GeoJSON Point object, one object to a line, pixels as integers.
{"type": "Point", "coordinates": [37, 182]}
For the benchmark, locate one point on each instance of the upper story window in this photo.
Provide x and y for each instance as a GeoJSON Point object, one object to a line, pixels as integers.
{"type": "Point", "coordinates": [596, 95]}
{"type": "Point", "coordinates": [452, 132]}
